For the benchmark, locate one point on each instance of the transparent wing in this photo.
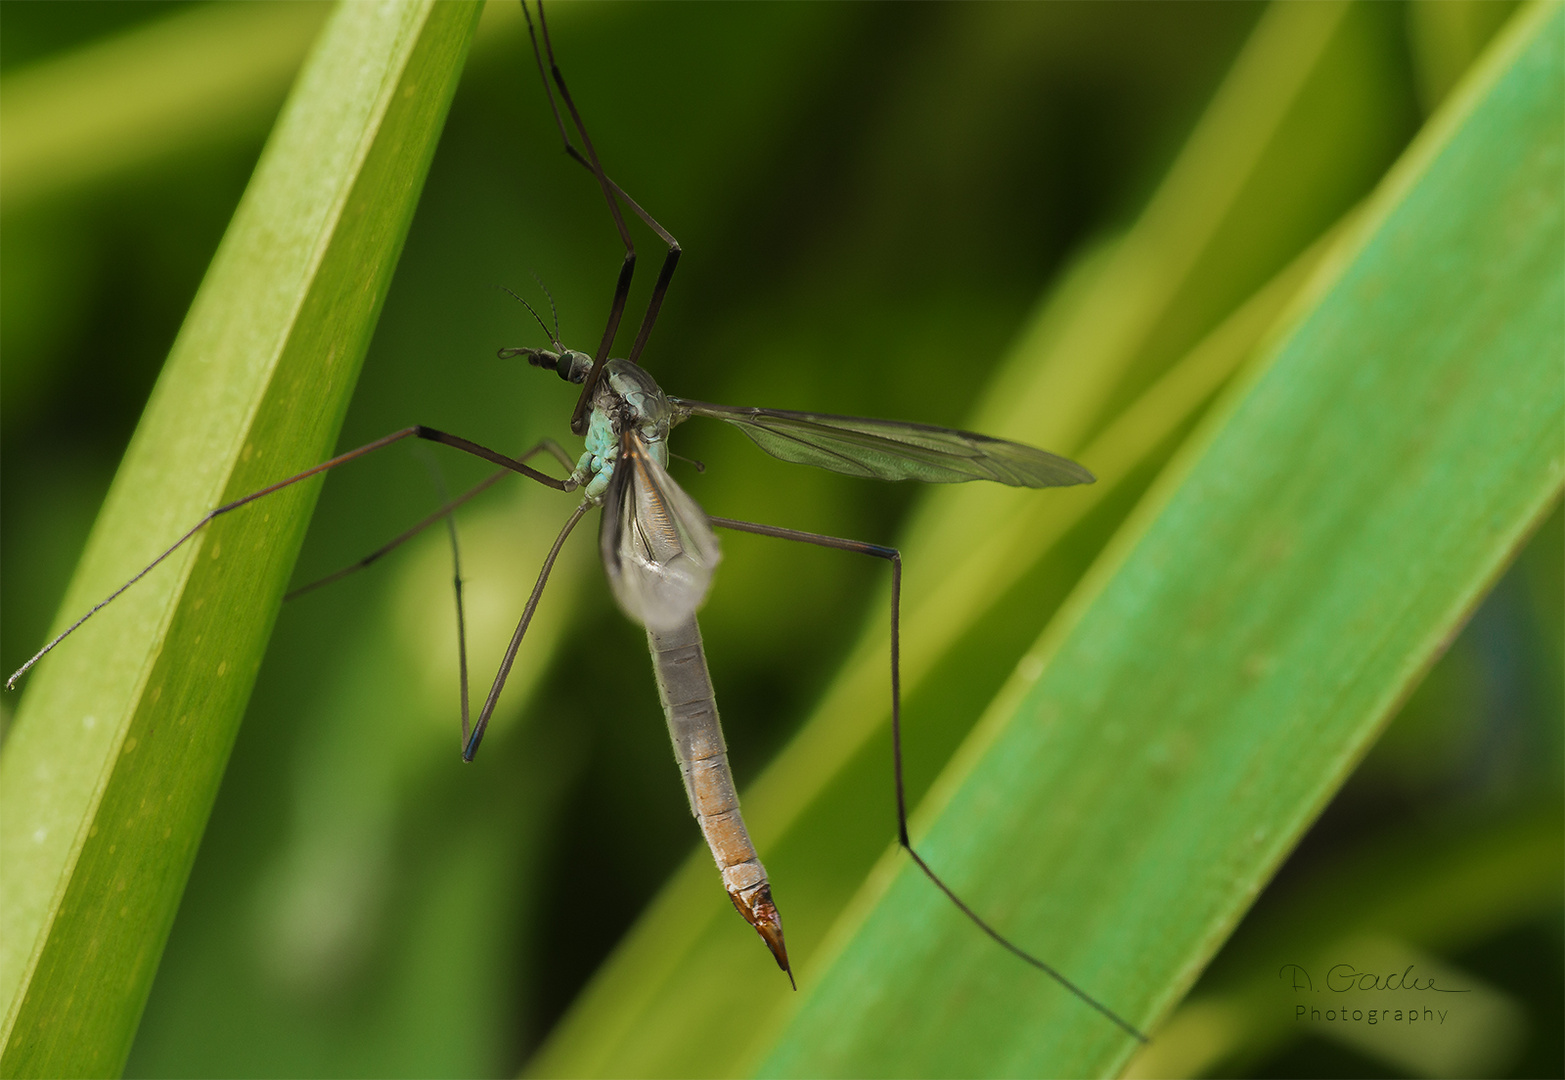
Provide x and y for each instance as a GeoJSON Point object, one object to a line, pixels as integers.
{"type": "Point", "coordinates": [892, 449]}
{"type": "Point", "coordinates": [657, 547]}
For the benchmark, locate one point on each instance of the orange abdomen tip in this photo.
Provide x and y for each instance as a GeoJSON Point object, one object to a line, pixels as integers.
{"type": "Point", "coordinates": [760, 912]}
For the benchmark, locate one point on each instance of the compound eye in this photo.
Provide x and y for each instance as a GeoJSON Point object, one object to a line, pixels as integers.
{"type": "Point", "coordinates": [573, 366]}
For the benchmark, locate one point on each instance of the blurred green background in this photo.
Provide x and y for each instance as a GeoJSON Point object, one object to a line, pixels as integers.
{"type": "Point", "coordinates": [872, 200]}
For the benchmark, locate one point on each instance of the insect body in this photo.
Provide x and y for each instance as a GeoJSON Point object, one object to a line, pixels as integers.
{"type": "Point", "coordinates": [660, 553]}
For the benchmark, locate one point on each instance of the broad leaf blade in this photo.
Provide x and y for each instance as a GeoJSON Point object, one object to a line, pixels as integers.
{"type": "Point", "coordinates": [116, 755]}
{"type": "Point", "coordinates": [1228, 661]}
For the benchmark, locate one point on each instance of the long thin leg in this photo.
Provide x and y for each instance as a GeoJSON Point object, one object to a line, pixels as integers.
{"type": "Point", "coordinates": [670, 258]}
{"type": "Point", "coordinates": [894, 557]}
{"type": "Point", "coordinates": [471, 742]}
{"type": "Point", "coordinates": [461, 622]}
{"type": "Point", "coordinates": [628, 267]}
{"type": "Point", "coordinates": [385, 549]}
{"type": "Point", "coordinates": [401, 538]}
{"type": "Point", "coordinates": [456, 574]}
{"type": "Point", "coordinates": [610, 190]}
{"type": "Point", "coordinates": [416, 431]}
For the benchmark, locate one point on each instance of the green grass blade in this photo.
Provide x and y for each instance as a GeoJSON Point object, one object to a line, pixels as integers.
{"type": "Point", "coordinates": [1445, 38]}
{"type": "Point", "coordinates": [1440, 895]}
{"type": "Point", "coordinates": [117, 104]}
{"type": "Point", "coordinates": [210, 73]}
{"type": "Point", "coordinates": [1231, 657]}
{"type": "Point", "coordinates": [119, 746]}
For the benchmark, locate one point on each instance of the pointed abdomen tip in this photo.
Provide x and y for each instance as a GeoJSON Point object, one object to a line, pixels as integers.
{"type": "Point", "coordinates": [760, 912]}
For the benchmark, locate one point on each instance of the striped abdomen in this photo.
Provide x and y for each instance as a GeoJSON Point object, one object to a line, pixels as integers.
{"type": "Point", "coordinates": [691, 709]}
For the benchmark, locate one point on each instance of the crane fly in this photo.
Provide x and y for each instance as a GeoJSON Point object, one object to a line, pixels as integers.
{"type": "Point", "coordinates": [658, 546]}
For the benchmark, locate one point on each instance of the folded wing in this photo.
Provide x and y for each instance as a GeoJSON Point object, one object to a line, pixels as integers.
{"type": "Point", "coordinates": [891, 449]}
{"type": "Point", "coordinates": [657, 547]}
